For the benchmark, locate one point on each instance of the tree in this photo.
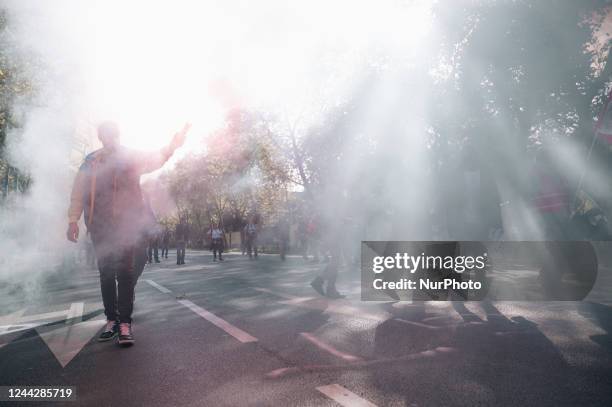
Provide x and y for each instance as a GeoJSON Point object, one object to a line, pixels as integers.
{"type": "Point", "coordinates": [16, 84]}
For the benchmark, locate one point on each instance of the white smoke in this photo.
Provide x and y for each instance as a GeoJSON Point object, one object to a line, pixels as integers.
{"type": "Point", "coordinates": [150, 67]}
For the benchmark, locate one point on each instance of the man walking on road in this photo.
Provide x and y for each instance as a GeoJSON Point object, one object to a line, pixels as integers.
{"type": "Point", "coordinates": [107, 190]}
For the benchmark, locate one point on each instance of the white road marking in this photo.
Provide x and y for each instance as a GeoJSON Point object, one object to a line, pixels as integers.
{"type": "Point", "coordinates": [343, 307]}
{"type": "Point", "coordinates": [419, 324]}
{"type": "Point", "coordinates": [326, 347]}
{"type": "Point", "coordinates": [343, 396]}
{"type": "Point", "coordinates": [10, 329]}
{"type": "Point", "coordinates": [159, 287]}
{"type": "Point", "coordinates": [48, 315]}
{"type": "Point", "coordinates": [291, 298]}
{"type": "Point", "coordinates": [10, 319]}
{"type": "Point", "coordinates": [66, 342]}
{"type": "Point", "coordinates": [16, 322]}
{"type": "Point", "coordinates": [287, 371]}
{"type": "Point", "coordinates": [215, 320]}
{"type": "Point", "coordinates": [75, 313]}
{"type": "Point", "coordinates": [210, 317]}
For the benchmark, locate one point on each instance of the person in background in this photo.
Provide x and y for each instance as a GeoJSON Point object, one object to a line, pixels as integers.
{"type": "Point", "coordinates": [243, 241]}
{"type": "Point", "coordinates": [217, 237]}
{"type": "Point", "coordinates": [181, 235]}
{"type": "Point", "coordinates": [329, 274]}
{"type": "Point", "coordinates": [152, 232]}
{"type": "Point", "coordinates": [165, 242]}
{"type": "Point", "coordinates": [153, 251]}
{"type": "Point", "coordinates": [250, 233]}
{"type": "Point", "coordinates": [107, 190]}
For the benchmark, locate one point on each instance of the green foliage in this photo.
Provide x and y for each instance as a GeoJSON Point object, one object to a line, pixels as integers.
{"type": "Point", "coordinates": [16, 84]}
{"type": "Point", "coordinates": [235, 178]}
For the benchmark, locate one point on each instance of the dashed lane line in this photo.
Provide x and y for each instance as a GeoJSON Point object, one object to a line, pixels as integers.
{"type": "Point", "coordinates": [384, 362]}
{"type": "Point", "coordinates": [290, 298]}
{"type": "Point", "coordinates": [343, 307]}
{"type": "Point", "coordinates": [344, 396]}
{"type": "Point", "coordinates": [329, 348]}
{"type": "Point", "coordinates": [237, 333]}
{"type": "Point", "coordinates": [159, 287]}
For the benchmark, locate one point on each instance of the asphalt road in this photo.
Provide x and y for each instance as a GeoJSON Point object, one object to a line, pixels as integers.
{"type": "Point", "coordinates": [253, 333]}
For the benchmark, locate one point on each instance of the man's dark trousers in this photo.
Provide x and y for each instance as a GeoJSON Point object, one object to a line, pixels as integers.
{"type": "Point", "coordinates": [119, 269]}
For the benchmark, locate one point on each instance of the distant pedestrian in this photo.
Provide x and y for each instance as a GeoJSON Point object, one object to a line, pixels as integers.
{"type": "Point", "coordinates": [181, 235]}
{"type": "Point", "coordinates": [250, 232]}
{"type": "Point", "coordinates": [243, 241]}
{"type": "Point", "coordinates": [165, 243]}
{"type": "Point", "coordinates": [217, 241]}
{"type": "Point", "coordinates": [152, 232]}
{"type": "Point", "coordinates": [325, 283]}
{"type": "Point", "coordinates": [153, 249]}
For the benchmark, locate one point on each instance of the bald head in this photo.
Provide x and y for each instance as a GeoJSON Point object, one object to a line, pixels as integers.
{"type": "Point", "coordinates": [108, 134]}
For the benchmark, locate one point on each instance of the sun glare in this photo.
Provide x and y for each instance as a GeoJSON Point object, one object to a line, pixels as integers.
{"type": "Point", "coordinates": [152, 68]}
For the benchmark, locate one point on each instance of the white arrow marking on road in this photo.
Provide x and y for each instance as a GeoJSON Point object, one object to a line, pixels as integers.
{"type": "Point", "coordinates": [343, 396]}
{"type": "Point", "coordinates": [16, 322]}
{"type": "Point", "coordinates": [48, 315]}
{"type": "Point", "coordinates": [75, 313]}
{"type": "Point", "coordinates": [66, 342]}
{"type": "Point", "coordinates": [4, 329]}
{"type": "Point", "coordinates": [8, 320]}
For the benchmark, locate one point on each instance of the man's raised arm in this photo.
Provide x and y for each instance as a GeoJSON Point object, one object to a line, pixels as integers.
{"type": "Point", "coordinates": [149, 162]}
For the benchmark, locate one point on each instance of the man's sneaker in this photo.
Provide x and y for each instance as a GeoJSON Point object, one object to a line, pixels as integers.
{"type": "Point", "coordinates": [317, 284]}
{"type": "Point", "coordinates": [110, 331]}
{"type": "Point", "coordinates": [125, 334]}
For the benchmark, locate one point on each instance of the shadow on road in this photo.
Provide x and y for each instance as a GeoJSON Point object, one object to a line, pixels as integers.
{"type": "Point", "coordinates": [499, 361]}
